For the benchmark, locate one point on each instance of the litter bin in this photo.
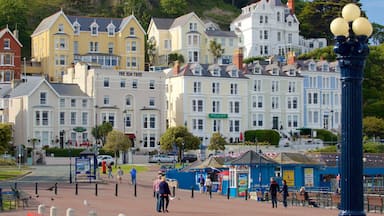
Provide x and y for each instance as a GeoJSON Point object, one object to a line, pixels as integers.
{"type": "Point", "coordinates": [104, 167]}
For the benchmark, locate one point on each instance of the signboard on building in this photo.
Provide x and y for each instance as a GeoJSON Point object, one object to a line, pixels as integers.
{"type": "Point", "coordinates": [308, 177]}
{"type": "Point", "coordinates": [289, 176]}
{"type": "Point", "coordinates": [217, 115]}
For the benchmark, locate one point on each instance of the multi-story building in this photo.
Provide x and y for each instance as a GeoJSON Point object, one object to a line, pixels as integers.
{"type": "Point", "coordinates": [270, 28]}
{"type": "Point", "coordinates": [43, 113]}
{"type": "Point", "coordinates": [132, 101]}
{"type": "Point", "coordinates": [322, 94]}
{"type": "Point", "coordinates": [10, 56]}
{"type": "Point", "coordinates": [208, 99]}
{"type": "Point", "coordinates": [61, 40]}
{"type": "Point", "coordinates": [189, 36]}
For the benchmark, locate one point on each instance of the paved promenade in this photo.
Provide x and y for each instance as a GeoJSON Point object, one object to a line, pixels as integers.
{"type": "Point", "coordinates": [106, 203]}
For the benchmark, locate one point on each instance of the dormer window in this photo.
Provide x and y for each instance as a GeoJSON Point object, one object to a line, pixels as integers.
{"type": "Point", "coordinates": [111, 30]}
{"type": "Point", "coordinates": [60, 28]}
{"type": "Point", "coordinates": [234, 73]}
{"type": "Point", "coordinates": [197, 70]}
{"type": "Point", "coordinates": [131, 31]}
{"type": "Point", "coordinates": [325, 67]}
{"type": "Point", "coordinates": [275, 71]}
{"type": "Point", "coordinates": [312, 66]}
{"type": "Point", "coordinates": [216, 72]}
{"type": "Point", "coordinates": [94, 29]}
{"type": "Point", "coordinates": [291, 72]}
{"type": "Point", "coordinates": [257, 70]}
{"type": "Point", "coordinates": [76, 27]}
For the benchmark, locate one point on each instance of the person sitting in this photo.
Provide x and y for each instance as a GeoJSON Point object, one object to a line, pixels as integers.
{"type": "Point", "coordinates": [307, 198]}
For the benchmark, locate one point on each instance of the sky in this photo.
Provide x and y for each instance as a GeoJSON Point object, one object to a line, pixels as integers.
{"type": "Point", "coordinates": [374, 10]}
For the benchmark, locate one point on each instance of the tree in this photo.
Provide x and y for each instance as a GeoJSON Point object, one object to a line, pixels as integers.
{"type": "Point", "coordinates": [100, 132]}
{"type": "Point", "coordinates": [151, 49]}
{"type": "Point", "coordinates": [378, 34]}
{"type": "Point", "coordinates": [216, 50]}
{"type": "Point", "coordinates": [180, 139]}
{"type": "Point", "coordinates": [173, 8]}
{"type": "Point", "coordinates": [172, 57]}
{"type": "Point", "coordinates": [5, 138]}
{"type": "Point", "coordinates": [217, 142]}
{"type": "Point", "coordinates": [373, 126]}
{"type": "Point", "coordinates": [117, 141]}
{"type": "Point", "coordinates": [138, 8]}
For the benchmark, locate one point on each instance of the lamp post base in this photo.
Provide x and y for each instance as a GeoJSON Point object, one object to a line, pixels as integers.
{"type": "Point", "coordinates": [351, 213]}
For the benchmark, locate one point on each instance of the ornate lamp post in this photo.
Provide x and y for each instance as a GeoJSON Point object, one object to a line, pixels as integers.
{"type": "Point", "coordinates": [351, 35]}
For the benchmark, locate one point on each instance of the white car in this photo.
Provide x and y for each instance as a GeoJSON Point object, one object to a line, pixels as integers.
{"type": "Point", "coordinates": [107, 158]}
{"type": "Point", "coordinates": [162, 158]}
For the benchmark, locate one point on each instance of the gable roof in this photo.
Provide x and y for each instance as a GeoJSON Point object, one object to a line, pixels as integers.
{"type": "Point", "coordinates": [251, 157]}
{"type": "Point", "coordinates": [5, 31]}
{"type": "Point", "coordinates": [27, 87]}
{"type": "Point", "coordinates": [47, 23]}
{"type": "Point", "coordinates": [187, 70]}
{"type": "Point", "coordinates": [220, 33]}
{"type": "Point", "coordinates": [68, 89]}
{"type": "Point", "coordinates": [162, 23]}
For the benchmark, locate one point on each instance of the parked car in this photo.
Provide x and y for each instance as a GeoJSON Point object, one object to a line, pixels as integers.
{"type": "Point", "coordinates": [189, 158]}
{"type": "Point", "coordinates": [162, 158]}
{"type": "Point", "coordinates": [107, 158]}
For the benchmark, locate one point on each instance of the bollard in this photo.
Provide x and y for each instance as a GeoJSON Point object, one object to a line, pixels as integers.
{"type": "Point", "coordinates": [53, 211]}
{"type": "Point", "coordinates": [36, 192]}
{"type": "Point", "coordinates": [228, 193]}
{"type": "Point", "coordinates": [135, 192]}
{"type": "Point", "coordinates": [1, 200]}
{"type": "Point", "coordinates": [70, 212]}
{"type": "Point", "coordinates": [15, 185]}
{"type": "Point", "coordinates": [77, 189]}
{"type": "Point", "coordinates": [96, 189]}
{"type": "Point", "coordinates": [116, 189]}
{"type": "Point", "coordinates": [210, 193]}
{"type": "Point", "coordinates": [192, 191]}
{"type": "Point", "coordinates": [41, 209]}
{"type": "Point", "coordinates": [246, 194]}
{"type": "Point", "coordinates": [56, 188]}
{"type": "Point", "coordinates": [174, 191]}
{"type": "Point", "coordinates": [92, 213]}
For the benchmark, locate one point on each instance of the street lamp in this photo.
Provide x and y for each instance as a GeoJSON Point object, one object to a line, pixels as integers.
{"type": "Point", "coordinates": [260, 171]}
{"type": "Point", "coordinates": [351, 34]}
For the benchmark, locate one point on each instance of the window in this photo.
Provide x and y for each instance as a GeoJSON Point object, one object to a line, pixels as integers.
{"type": "Point", "coordinates": [108, 117]}
{"type": "Point", "coordinates": [7, 59]}
{"type": "Point", "coordinates": [278, 16]}
{"type": "Point", "coordinates": [133, 47]}
{"type": "Point", "coordinates": [73, 102]}
{"type": "Point", "coordinates": [234, 125]}
{"type": "Point", "coordinates": [110, 48]}
{"type": "Point", "coordinates": [106, 100]}
{"type": "Point", "coordinates": [215, 106]}
{"type": "Point", "coordinates": [233, 89]}
{"type": "Point", "coordinates": [259, 101]}
{"type": "Point", "coordinates": [197, 105]}
{"type": "Point", "coordinates": [76, 47]}
{"type": "Point", "coordinates": [152, 84]}
{"type": "Point", "coordinates": [128, 120]}
{"type": "Point", "coordinates": [62, 102]}
{"type": "Point", "coordinates": [291, 86]}
{"type": "Point", "coordinates": [257, 120]}
{"type": "Point", "coordinates": [73, 118]}
{"type": "Point", "coordinates": [234, 107]}
{"type": "Point", "coordinates": [133, 62]}
{"type": "Point", "coordinates": [198, 124]}
{"type": "Point", "coordinates": [216, 125]}
{"type": "Point", "coordinates": [106, 82]}
{"type": "Point", "coordinates": [197, 87]}
{"type": "Point", "coordinates": [61, 60]}
{"type": "Point", "coordinates": [290, 38]}
{"type": "Point", "coordinates": [37, 118]}
{"type": "Point", "coordinates": [60, 43]}
{"type": "Point", "coordinates": [257, 85]}
{"type": "Point", "coordinates": [315, 98]}
{"type": "Point", "coordinates": [111, 30]}
{"type": "Point", "coordinates": [261, 19]}
{"type": "Point", "coordinates": [43, 98]}
{"type": "Point", "coordinates": [134, 84]}
{"type": "Point", "coordinates": [128, 101]}
{"type": "Point", "coordinates": [60, 28]}
{"type": "Point", "coordinates": [131, 31]}
{"type": "Point", "coordinates": [94, 29]}
{"type": "Point", "coordinates": [265, 35]}
{"type": "Point", "coordinates": [7, 43]}
{"type": "Point", "coordinates": [275, 102]}
{"type": "Point", "coordinates": [216, 72]}
{"type": "Point", "coordinates": [45, 118]}
{"type": "Point", "coordinates": [266, 19]}
{"type": "Point", "coordinates": [93, 46]}
{"type": "Point", "coordinates": [192, 26]}
{"type": "Point", "coordinates": [151, 102]}
{"type": "Point", "coordinates": [62, 118]}
{"type": "Point", "coordinates": [215, 88]}
{"type": "Point", "coordinates": [122, 83]}
{"type": "Point", "coordinates": [149, 121]}
{"type": "Point", "coordinates": [167, 44]}
{"type": "Point", "coordinates": [193, 56]}
{"type": "Point", "coordinates": [292, 102]}
{"type": "Point", "coordinates": [278, 36]}
{"type": "Point", "coordinates": [275, 86]}
{"type": "Point", "coordinates": [84, 118]}
{"type": "Point", "coordinates": [76, 27]}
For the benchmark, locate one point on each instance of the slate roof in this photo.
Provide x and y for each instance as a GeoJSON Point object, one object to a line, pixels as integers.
{"type": "Point", "coordinates": [67, 89]}
{"type": "Point", "coordinates": [162, 23]}
{"type": "Point", "coordinates": [372, 160]}
{"type": "Point", "coordinates": [187, 70]}
{"type": "Point", "coordinates": [295, 158]}
{"type": "Point", "coordinates": [5, 89]}
{"type": "Point", "coordinates": [46, 23]}
{"type": "Point", "coordinates": [266, 68]}
{"type": "Point", "coordinates": [251, 157]}
{"type": "Point", "coordinates": [219, 33]}
{"type": "Point", "coordinates": [25, 88]}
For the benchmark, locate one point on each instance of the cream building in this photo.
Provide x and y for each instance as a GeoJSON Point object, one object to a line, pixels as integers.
{"type": "Point", "coordinates": [208, 99]}
{"type": "Point", "coordinates": [189, 36]}
{"type": "Point", "coordinates": [132, 101]}
{"type": "Point", "coordinates": [40, 110]}
{"type": "Point", "coordinates": [61, 40]}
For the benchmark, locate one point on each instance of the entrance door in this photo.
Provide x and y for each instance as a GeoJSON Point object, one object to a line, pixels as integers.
{"type": "Point", "coordinates": [275, 122]}
{"type": "Point", "coordinates": [325, 122]}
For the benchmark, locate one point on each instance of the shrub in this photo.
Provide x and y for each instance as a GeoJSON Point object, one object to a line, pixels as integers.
{"type": "Point", "coordinates": [271, 137]}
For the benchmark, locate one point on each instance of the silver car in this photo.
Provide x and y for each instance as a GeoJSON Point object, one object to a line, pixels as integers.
{"type": "Point", "coordinates": [162, 158]}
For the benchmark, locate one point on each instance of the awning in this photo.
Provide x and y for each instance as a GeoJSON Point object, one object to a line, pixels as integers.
{"type": "Point", "coordinates": [131, 135]}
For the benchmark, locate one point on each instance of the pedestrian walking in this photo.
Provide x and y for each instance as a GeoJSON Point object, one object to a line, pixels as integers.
{"type": "Point", "coordinates": [109, 167]}
{"type": "Point", "coordinates": [164, 194]}
{"type": "Point", "coordinates": [273, 189]}
{"type": "Point", "coordinates": [120, 174]}
{"type": "Point", "coordinates": [133, 175]}
{"type": "Point", "coordinates": [208, 185]}
{"type": "Point", "coordinates": [285, 193]}
{"type": "Point", "coordinates": [156, 194]}
{"type": "Point", "coordinates": [201, 181]}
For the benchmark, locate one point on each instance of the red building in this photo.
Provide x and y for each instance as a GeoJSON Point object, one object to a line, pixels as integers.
{"type": "Point", "coordinates": [10, 56]}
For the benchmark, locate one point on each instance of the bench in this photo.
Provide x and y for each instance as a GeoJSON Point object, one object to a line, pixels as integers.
{"type": "Point", "coordinates": [299, 198]}
{"type": "Point", "coordinates": [375, 201]}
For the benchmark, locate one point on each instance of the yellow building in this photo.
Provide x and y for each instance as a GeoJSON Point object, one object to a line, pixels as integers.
{"type": "Point", "coordinates": [61, 40]}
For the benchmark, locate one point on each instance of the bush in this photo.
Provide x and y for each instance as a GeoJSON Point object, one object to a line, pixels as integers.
{"type": "Point", "coordinates": [326, 136]}
{"type": "Point", "coordinates": [271, 137]}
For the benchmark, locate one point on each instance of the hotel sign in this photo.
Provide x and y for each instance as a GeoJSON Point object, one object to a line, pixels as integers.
{"type": "Point", "coordinates": [217, 115]}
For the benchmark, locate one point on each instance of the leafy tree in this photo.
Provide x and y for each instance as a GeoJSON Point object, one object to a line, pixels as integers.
{"type": "Point", "coordinates": [373, 126]}
{"type": "Point", "coordinates": [378, 33]}
{"type": "Point", "coordinates": [151, 49]}
{"type": "Point", "coordinates": [172, 57]}
{"type": "Point", "coordinates": [5, 137]}
{"type": "Point", "coordinates": [138, 8]}
{"type": "Point", "coordinates": [325, 53]}
{"type": "Point", "coordinates": [117, 141]}
{"type": "Point", "coordinates": [173, 8]}
{"type": "Point", "coordinates": [372, 147]}
{"type": "Point", "coordinates": [178, 138]}
{"type": "Point", "coordinates": [217, 142]}
{"type": "Point", "coordinates": [101, 131]}
{"type": "Point", "coordinates": [216, 50]}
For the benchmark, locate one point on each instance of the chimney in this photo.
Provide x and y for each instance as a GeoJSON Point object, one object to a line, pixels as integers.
{"type": "Point", "coordinates": [238, 58]}
{"type": "Point", "coordinates": [176, 68]}
{"type": "Point", "coordinates": [291, 6]}
{"type": "Point", "coordinates": [291, 58]}
{"type": "Point", "coordinates": [16, 34]}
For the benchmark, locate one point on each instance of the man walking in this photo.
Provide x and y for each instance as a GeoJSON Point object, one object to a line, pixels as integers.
{"type": "Point", "coordinates": [273, 189]}
{"type": "Point", "coordinates": [133, 175]}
